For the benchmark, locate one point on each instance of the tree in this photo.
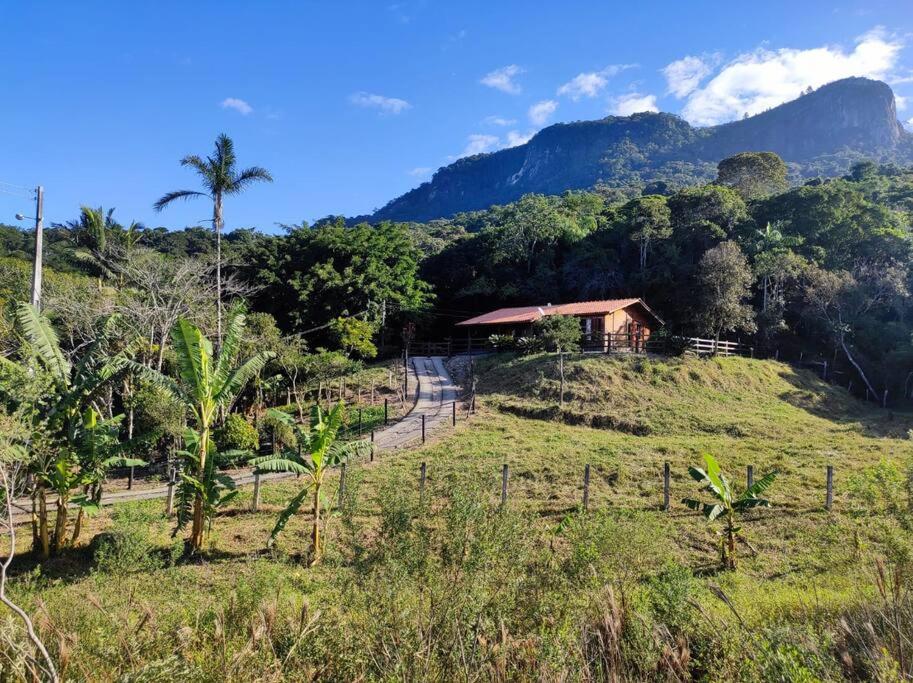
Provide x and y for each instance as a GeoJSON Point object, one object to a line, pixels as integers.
{"type": "Point", "coordinates": [725, 503]}
{"type": "Point", "coordinates": [559, 333]}
{"type": "Point", "coordinates": [56, 408]}
{"type": "Point", "coordinates": [336, 271]}
{"type": "Point", "coordinates": [220, 179]}
{"type": "Point", "coordinates": [529, 227]}
{"type": "Point", "coordinates": [318, 451]}
{"type": "Point", "coordinates": [204, 385]}
{"type": "Point", "coordinates": [753, 174]}
{"type": "Point", "coordinates": [724, 284]}
{"type": "Point", "coordinates": [648, 220]}
{"type": "Point", "coordinates": [842, 300]}
{"type": "Point", "coordinates": [354, 336]}
{"type": "Point", "coordinates": [15, 437]}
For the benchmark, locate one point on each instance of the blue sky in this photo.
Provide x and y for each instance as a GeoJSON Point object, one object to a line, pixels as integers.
{"type": "Point", "coordinates": [349, 104]}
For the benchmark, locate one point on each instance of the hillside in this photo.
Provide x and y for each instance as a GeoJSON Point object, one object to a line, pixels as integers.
{"type": "Point", "coordinates": [448, 573]}
{"type": "Point", "coordinates": [818, 133]}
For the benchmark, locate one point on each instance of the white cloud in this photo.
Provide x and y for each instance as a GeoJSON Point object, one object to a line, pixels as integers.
{"type": "Point", "coordinates": [685, 75]}
{"type": "Point", "coordinates": [909, 124]}
{"type": "Point", "coordinates": [419, 171]}
{"type": "Point", "coordinates": [540, 112]}
{"type": "Point", "coordinates": [238, 105]}
{"type": "Point", "coordinates": [499, 121]}
{"type": "Point", "coordinates": [503, 79]}
{"type": "Point", "coordinates": [477, 143]}
{"type": "Point", "coordinates": [632, 103]}
{"type": "Point", "coordinates": [759, 80]}
{"type": "Point", "coordinates": [388, 105]}
{"type": "Point", "coordinates": [901, 102]}
{"type": "Point", "coordinates": [515, 138]}
{"type": "Point", "coordinates": [591, 83]}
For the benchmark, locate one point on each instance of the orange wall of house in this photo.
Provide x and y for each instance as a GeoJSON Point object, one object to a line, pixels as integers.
{"type": "Point", "coordinates": [617, 322]}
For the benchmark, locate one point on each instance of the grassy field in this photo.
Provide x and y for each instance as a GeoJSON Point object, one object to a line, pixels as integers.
{"type": "Point", "coordinates": [449, 586]}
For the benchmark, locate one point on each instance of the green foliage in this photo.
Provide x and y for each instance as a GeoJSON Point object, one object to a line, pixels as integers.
{"type": "Point", "coordinates": [753, 174]}
{"type": "Point", "coordinates": [205, 384]}
{"type": "Point", "coordinates": [724, 280]}
{"type": "Point", "coordinates": [318, 450]}
{"type": "Point", "coordinates": [130, 546]}
{"type": "Point", "coordinates": [725, 503]}
{"type": "Point", "coordinates": [354, 336]}
{"type": "Point", "coordinates": [558, 333]}
{"type": "Point", "coordinates": [236, 433]}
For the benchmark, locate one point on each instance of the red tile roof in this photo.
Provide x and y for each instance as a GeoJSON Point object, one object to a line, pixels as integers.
{"type": "Point", "coordinates": [528, 314]}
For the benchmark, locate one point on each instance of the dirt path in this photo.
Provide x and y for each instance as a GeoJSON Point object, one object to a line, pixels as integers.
{"type": "Point", "coordinates": [435, 399]}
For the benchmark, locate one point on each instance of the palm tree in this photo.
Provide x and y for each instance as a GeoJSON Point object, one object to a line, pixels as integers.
{"type": "Point", "coordinates": [318, 451]}
{"type": "Point", "coordinates": [205, 385]}
{"type": "Point", "coordinates": [219, 179]}
{"type": "Point", "coordinates": [725, 503]}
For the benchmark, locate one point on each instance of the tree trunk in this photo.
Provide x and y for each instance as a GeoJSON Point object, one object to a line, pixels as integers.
{"type": "Point", "coordinates": [43, 522]}
{"type": "Point", "coordinates": [217, 226]}
{"type": "Point", "coordinates": [60, 526]}
{"type": "Point", "coordinates": [196, 531]}
{"type": "Point", "coordinates": [315, 528]}
{"type": "Point", "coordinates": [856, 365]}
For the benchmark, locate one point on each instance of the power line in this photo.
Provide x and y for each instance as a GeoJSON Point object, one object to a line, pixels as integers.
{"type": "Point", "coordinates": [18, 187]}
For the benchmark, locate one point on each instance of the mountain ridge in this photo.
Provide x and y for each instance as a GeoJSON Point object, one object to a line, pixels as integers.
{"type": "Point", "coordinates": [824, 129]}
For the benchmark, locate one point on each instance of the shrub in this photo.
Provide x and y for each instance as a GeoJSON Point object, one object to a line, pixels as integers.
{"type": "Point", "coordinates": [128, 546]}
{"type": "Point", "coordinates": [558, 332]}
{"type": "Point", "coordinates": [502, 342]}
{"type": "Point", "coordinates": [237, 434]}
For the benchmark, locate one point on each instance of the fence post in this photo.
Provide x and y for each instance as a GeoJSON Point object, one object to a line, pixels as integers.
{"type": "Point", "coordinates": [359, 422]}
{"type": "Point", "coordinates": [884, 399]}
{"type": "Point", "coordinates": [423, 427]}
{"type": "Point", "coordinates": [169, 504]}
{"type": "Point", "coordinates": [454, 414]}
{"type": "Point", "coordinates": [504, 475]}
{"type": "Point", "coordinates": [750, 476]}
{"type": "Point", "coordinates": [751, 349]}
{"type": "Point", "coordinates": [386, 418]}
{"type": "Point", "coordinates": [255, 503]}
{"type": "Point", "coordinates": [824, 371]}
{"type": "Point", "coordinates": [777, 354]}
{"type": "Point", "coordinates": [829, 498]}
{"type": "Point", "coordinates": [130, 480]}
{"type": "Point", "coordinates": [586, 487]}
{"type": "Point", "coordinates": [342, 482]}
{"type": "Point", "coordinates": [849, 387]}
{"type": "Point", "coordinates": [666, 477]}
{"type": "Point", "coordinates": [423, 471]}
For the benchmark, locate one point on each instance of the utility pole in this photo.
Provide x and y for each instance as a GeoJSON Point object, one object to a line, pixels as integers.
{"type": "Point", "coordinates": [39, 245]}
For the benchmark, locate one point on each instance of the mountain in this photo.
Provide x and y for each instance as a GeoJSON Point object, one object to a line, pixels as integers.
{"type": "Point", "coordinates": [821, 132]}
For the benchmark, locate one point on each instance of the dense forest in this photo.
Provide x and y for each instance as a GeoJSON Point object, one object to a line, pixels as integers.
{"type": "Point", "coordinates": [824, 266]}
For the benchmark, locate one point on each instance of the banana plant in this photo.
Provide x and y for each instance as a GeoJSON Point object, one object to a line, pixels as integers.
{"type": "Point", "coordinates": [725, 504]}
{"type": "Point", "coordinates": [318, 450]}
{"type": "Point", "coordinates": [99, 450]}
{"type": "Point", "coordinates": [205, 385]}
{"type": "Point", "coordinates": [214, 488]}
{"type": "Point", "coordinates": [57, 413]}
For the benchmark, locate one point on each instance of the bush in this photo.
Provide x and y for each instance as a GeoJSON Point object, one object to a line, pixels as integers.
{"type": "Point", "coordinates": [502, 342]}
{"type": "Point", "coordinates": [128, 547]}
{"type": "Point", "coordinates": [558, 332]}
{"type": "Point", "coordinates": [237, 434]}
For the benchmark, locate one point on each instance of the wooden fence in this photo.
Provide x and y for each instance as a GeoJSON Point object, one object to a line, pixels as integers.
{"type": "Point", "coordinates": [665, 503]}
{"type": "Point", "coordinates": [609, 342]}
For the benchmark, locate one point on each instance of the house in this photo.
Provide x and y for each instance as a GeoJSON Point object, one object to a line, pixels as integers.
{"type": "Point", "coordinates": [606, 325]}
